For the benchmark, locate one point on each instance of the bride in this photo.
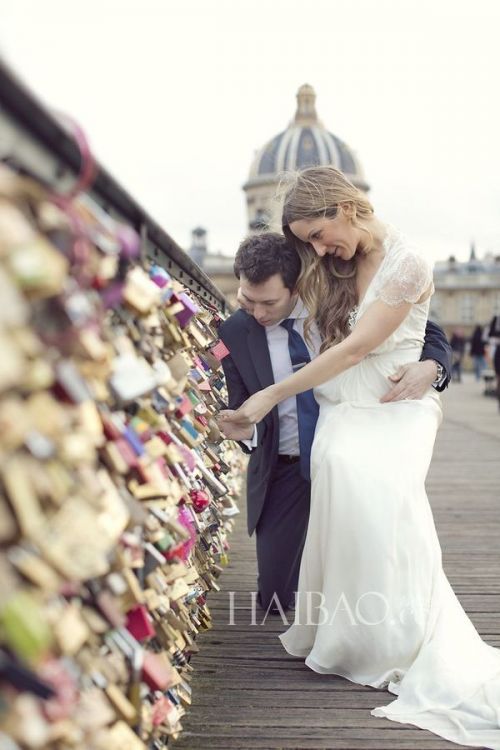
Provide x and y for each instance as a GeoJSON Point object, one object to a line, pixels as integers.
{"type": "Point", "coordinates": [373, 602]}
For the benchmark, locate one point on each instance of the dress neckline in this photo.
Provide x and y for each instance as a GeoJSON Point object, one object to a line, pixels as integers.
{"type": "Point", "coordinates": [353, 314]}
{"type": "Point", "coordinates": [385, 244]}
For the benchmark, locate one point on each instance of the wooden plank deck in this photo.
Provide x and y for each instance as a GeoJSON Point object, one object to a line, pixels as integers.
{"type": "Point", "coordinates": [249, 693]}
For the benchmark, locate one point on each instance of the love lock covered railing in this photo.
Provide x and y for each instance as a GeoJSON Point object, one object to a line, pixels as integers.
{"type": "Point", "coordinates": [117, 493]}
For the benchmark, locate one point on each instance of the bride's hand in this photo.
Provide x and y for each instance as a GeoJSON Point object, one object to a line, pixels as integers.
{"type": "Point", "coordinates": [253, 410]}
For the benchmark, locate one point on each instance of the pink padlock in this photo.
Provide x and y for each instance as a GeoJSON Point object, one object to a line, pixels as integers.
{"type": "Point", "coordinates": [200, 500]}
{"type": "Point", "coordinates": [183, 406]}
{"type": "Point", "coordinates": [139, 623]}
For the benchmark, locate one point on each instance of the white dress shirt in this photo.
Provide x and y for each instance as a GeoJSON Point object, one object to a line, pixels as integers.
{"type": "Point", "coordinates": [277, 340]}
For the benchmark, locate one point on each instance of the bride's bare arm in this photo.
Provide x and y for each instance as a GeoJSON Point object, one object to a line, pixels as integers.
{"type": "Point", "coordinates": [372, 329]}
{"type": "Point", "coordinates": [378, 322]}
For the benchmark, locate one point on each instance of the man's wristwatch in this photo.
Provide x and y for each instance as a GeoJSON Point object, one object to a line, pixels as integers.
{"type": "Point", "coordinates": [440, 373]}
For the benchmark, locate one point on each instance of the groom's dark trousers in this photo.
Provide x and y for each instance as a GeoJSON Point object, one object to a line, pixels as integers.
{"type": "Point", "coordinates": [278, 498]}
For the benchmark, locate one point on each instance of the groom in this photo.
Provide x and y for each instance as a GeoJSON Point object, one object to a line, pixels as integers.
{"type": "Point", "coordinates": [264, 338]}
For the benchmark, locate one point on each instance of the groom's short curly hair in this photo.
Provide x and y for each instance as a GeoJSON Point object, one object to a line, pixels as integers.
{"type": "Point", "coordinates": [263, 255]}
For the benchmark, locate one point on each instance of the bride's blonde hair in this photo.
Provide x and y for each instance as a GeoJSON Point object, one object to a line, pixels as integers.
{"type": "Point", "coordinates": [326, 285]}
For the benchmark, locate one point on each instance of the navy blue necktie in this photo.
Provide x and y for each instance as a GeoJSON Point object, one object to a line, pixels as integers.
{"type": "Point", "coordinates": [307, 406]}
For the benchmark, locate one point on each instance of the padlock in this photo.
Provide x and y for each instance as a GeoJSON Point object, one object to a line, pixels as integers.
{"type": "Point", "coordinates": [200, 500]}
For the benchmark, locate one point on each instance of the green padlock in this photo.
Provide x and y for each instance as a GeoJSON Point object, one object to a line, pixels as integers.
{"type": "Point", "coordinates": [25, 628]}
{"type": "Point", "coordinates": [165, 542]}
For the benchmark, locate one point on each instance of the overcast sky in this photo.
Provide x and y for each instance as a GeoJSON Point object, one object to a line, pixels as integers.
{"type": "Point", "coordinates": [176, 96]}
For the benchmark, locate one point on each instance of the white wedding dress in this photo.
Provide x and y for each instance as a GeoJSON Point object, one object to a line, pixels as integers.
{"type": "Point", "coordinates": [373, 603]}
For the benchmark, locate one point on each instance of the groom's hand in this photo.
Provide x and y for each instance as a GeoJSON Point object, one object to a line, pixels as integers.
{"type": "Point", "coordinates": [253, 410]}
{"type": "Point", "coordinates": [411, 381]}
{"type": "Point", "coordinates": [233, 430]}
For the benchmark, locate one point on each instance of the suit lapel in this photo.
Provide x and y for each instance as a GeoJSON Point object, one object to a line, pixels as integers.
{"type": "Point", "coordinates": [259, 353]}
{"type": "Point", "coordinates": [258, 350]}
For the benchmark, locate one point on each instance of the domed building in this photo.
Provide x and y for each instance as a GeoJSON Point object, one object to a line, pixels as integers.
{"type": "Point", "coordinates": [306, 142]}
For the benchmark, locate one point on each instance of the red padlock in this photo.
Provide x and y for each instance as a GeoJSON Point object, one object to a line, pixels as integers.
{"type": "Point", "coordinates": [200, 500]}
{"type": "Point", "coordinates": [176, 551]}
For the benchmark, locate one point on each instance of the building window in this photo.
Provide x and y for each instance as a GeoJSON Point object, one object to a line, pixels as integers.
{"type": "Point", "coordinates": [496, 304]}
{"type": "Point", "coordinates": [467, 308]}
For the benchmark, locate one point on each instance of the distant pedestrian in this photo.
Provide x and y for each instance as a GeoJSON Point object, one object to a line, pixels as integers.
{"type": "Point", "coordinates": [477, 351]}
{"type": "Point", "coordinates": [458, 349]}
{"type": "Point", "coordinates": [494, 335]}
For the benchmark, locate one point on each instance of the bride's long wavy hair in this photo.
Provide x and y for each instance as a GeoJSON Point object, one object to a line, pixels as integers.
{"type": "Point", "coordinates": [326, 285]}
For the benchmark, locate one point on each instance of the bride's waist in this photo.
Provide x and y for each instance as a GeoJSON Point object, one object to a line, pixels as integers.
{"type": "Point", "coordinates": [408, 354]}
{"type": "Point", "coordinates": [369, 378]}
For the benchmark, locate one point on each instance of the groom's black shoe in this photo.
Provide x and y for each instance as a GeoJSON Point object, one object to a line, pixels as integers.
{"type": "Point", "coordinates": [274, 610]}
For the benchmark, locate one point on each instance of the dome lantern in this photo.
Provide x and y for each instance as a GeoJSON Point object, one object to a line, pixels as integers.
{"type": "Point", "coordinates": [306, 106]}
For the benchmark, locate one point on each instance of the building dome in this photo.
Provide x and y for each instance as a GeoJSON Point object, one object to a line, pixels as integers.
{"type": "Point", "coordinates": [305, 143]}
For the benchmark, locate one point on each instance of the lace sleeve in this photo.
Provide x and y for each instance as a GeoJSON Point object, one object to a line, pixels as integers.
{"type": "Point", "coordinates": [404, 278]}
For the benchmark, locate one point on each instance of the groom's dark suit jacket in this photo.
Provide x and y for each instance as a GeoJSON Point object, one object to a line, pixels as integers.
{"type": "Point", "coordinates": [248, 369]}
